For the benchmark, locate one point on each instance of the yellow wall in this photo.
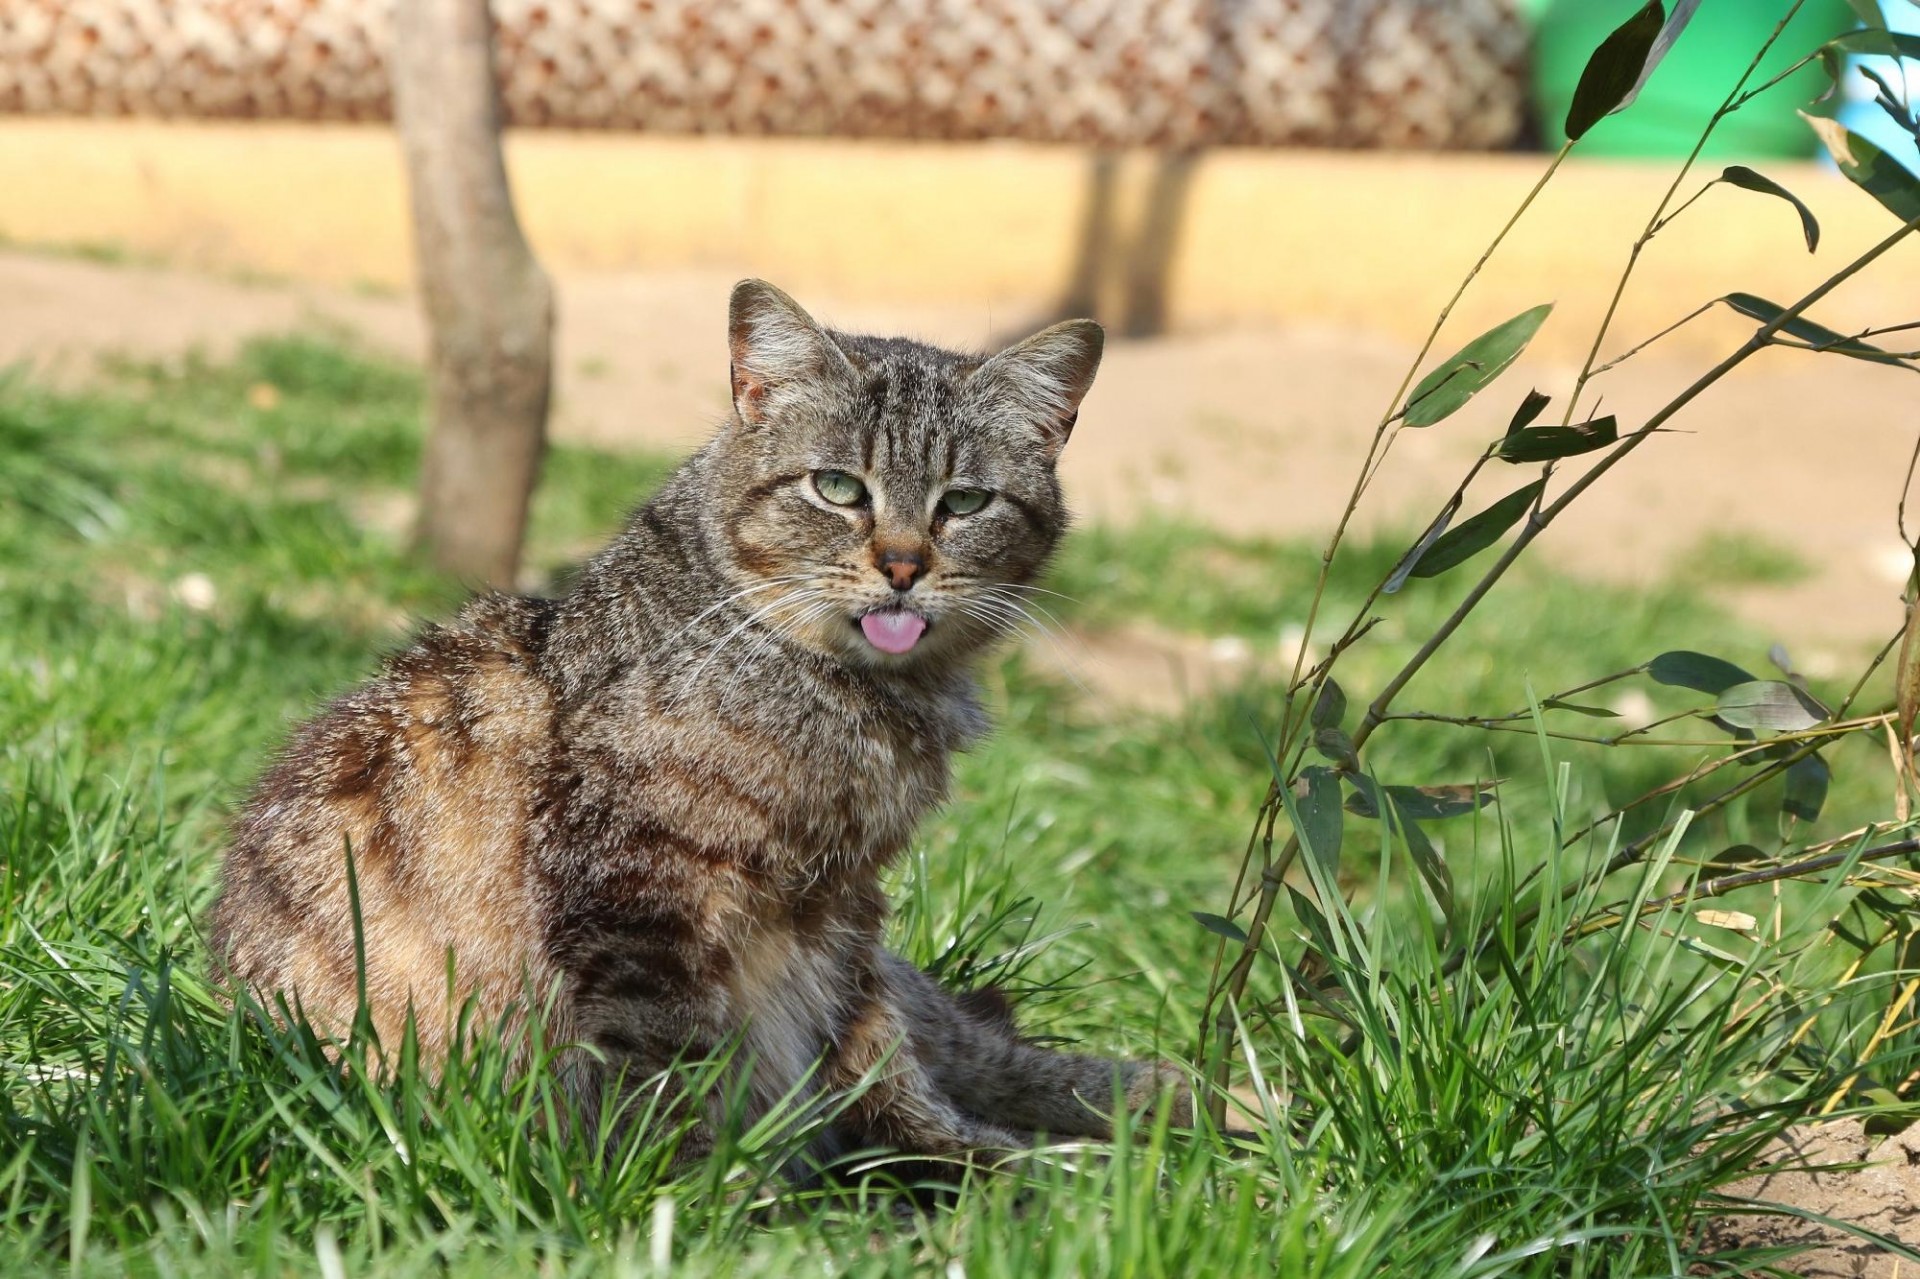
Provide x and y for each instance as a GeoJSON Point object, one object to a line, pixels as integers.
{"type": "Point", "coordinates": [1369, 240]}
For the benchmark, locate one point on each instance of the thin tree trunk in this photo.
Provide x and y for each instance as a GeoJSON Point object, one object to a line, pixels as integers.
{"type": "Point", "coordinates": [489, 307]}
{"type": "Point", "coordinates": [1093, 252]}
{"type": "Point", "coordinates": [1149, 271]}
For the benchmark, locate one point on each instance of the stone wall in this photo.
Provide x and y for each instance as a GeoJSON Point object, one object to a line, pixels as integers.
{"type": "Point", "coordinates": [1427, 74]}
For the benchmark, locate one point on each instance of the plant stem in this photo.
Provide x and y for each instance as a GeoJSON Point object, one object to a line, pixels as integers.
{"type": "Point", "coordinates": [1539, 522]}
{"type": "Point", "coordinates": [1725, 884]}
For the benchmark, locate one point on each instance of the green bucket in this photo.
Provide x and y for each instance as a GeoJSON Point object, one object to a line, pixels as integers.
{"type": "Point", "coordinates": [1694, 79]}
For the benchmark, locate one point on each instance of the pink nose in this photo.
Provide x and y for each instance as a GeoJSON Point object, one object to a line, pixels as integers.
{"type": "Point", "coordinates": [902, 568]}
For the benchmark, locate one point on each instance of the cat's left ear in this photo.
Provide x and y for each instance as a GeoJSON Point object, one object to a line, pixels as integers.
{"type": "Point", "coordinates": [1044, 378]}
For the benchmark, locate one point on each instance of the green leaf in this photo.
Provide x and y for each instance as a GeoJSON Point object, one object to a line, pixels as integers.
{"type": "Point", "coordinates": [1335, 745]}
{"type": "Point", "coordinates": [1890, 1115]}
{"type": "Point", "coordinates": [1683, 668]}
{"type": "Point", "coordinates": [1442, 392]}
{"type": "Point", "coordinates": [1432, 867]}
{"type": "Point", "coordinates": [1330, 706]}
{"type": "Point", "coordinates": [1597, 712]}
{"type": "Point", "coordinates": [1461, 544]}
{"type": "Point", "coordinates": [1769, 705]}
{"type": "Point", "coordinates": [1746, 179]}
{"type": "Point", "coordinates": [1530, 408]}
{"type": "Point", "coordinates": [1410, 805]}
{"type": "Point", "coordinates": [1365, 800]}
{"type": "Point", "coordinates": [1835, 65]}
{"type": "Point", "coordinates": [1869, 11]}
{"type": "Point", "coordinates": [1613, 73]}
{"type": "Point", "coordinates": [1317, 801]}
{"type": "Point", "coordinates": [1433, 803]}
{"type": "Point", "coordinates": [1677, 21]}
{"type": "Point", "coordinates": [1739, 855]}
{"type": "Point", "coordinates": [1404, 569]}
{"type": "Point", "coordinates": [1546, 443]}
{"type": "Point", "coordinates": [1807, 782]}
{"type": "Point", "coordinates": [1869, 168]}
{"type": "Point", "coordinates": [1807, 331]}
{"type": "Point", "coordinates": [1219, 925]}
{"type": "Point", "coordinates": [1314, 920]}
{"type": "Point", "coordinates": [1419, 803]}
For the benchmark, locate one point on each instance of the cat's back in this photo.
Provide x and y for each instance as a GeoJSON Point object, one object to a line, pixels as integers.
{"type": "Point", "coordinates": [421, 777]}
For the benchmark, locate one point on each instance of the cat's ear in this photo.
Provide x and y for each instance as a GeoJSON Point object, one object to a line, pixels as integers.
{"type": "Point", "coordinates": [1044, 378]}
{"type": "Point", "coordinates": [773, 344]}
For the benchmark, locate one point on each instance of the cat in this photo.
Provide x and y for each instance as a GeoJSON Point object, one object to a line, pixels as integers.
{"type": "Point", "coordinates": [669, 796]}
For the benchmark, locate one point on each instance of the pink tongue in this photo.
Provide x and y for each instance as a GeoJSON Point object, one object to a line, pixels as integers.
{"type": "Point", "coordinates": [893, 631]}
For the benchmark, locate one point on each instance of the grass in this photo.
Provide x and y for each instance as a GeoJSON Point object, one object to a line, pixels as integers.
{"type": "Point", "coordinates": [191, 556]}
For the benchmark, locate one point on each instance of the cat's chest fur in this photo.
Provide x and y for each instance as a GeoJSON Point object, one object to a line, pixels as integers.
{"type": "Point", "coordinates": [799, 781]}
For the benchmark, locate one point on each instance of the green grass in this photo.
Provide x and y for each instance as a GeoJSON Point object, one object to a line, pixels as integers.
{"type": "Point", "coordinates": [1726, 559]}
{"type": "Point", "coordinates": [188, 562]}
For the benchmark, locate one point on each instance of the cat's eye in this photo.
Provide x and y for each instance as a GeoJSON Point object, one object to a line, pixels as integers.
{"type": "Point", "coordinates": [839, 488]}
{"type": "Point", "coordinates": [963, 501]}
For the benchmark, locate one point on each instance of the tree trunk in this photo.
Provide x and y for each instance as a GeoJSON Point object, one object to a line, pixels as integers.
{"type": "Point", "coordinates": [1149, 272]}
{"type": "Point", "coordinates": [489, 307]}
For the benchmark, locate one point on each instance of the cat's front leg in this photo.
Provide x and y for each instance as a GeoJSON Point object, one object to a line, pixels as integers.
{"type": "Point", "coordinates": [895, 1101]}
{"type": "Point", "coordinates": [638, 995]}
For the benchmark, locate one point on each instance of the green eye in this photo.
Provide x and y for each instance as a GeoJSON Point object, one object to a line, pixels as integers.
{"type": "Point", "coordinates": [964, 501]}
{"type": "Point", "coordinates": [839, 488]}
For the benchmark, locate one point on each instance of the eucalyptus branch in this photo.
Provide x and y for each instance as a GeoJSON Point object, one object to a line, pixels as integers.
{"type": "Point", "coordinates": [1383, 433]}
{"type": "Point", "coordinates": [1838, 343]}
{"type": "Point", "coordinates": [1227, 990]}
{"type": "Point", "coordinates": [1527, 712]}
{"type": "Point", "coordinates": [1377, 450]}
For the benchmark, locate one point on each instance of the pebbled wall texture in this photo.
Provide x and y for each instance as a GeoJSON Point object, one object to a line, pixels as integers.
{"type": "Point", "coordinates": [1180, 74]}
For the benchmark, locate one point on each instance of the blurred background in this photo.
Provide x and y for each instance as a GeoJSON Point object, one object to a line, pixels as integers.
{"type": "Point", "coordinates": [1265, 200]}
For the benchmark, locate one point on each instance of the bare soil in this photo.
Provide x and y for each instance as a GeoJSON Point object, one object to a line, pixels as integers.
{"type": "Point", "coordinates": [1836, 1171]}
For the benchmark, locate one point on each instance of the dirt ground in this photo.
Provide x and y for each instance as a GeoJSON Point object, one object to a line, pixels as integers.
{"type": "Point", "coordinates": [1254, 430]}
{"type": "Point", "coordinates": [1810, 1173]}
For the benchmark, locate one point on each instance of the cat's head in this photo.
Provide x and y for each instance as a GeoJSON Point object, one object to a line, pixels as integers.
{"type": "Point", "coordinates": [885, 501]}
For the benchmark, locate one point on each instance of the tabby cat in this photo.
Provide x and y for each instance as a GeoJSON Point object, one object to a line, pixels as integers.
{"type": "Point", "coordinates": [668, 797]}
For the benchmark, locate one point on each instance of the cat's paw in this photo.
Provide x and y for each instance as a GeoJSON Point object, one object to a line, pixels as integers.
{"type": "Point", "coordinates": [1160, 1088]}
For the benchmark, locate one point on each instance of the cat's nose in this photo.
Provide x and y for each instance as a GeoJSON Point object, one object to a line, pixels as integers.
{"type": "Point", "coordinates": [901, 568]}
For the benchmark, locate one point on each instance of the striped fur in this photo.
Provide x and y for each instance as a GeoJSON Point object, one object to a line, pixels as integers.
{"type": "Point", "coordinates": [667, 798]}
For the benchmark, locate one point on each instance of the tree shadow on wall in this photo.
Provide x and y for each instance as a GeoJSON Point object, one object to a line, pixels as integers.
{"type": "Point", "coordinates": [1123, 281]}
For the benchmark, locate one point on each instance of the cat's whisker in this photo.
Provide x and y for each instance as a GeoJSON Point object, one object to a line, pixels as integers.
{"type": "Point", "coordinates": [1051, 625]}
{"type": "Point", "coordinates": [987, 584]}
{"type": "Point", "coordinates": [1015, 617]}
{"type": "Point", "coordinates": [1002, 617]}
{"type": "Point", "coordinates": [786, 579]}
{"type": "Point", "coordinates": [787, 628]}
{"type": "Point", "coordinates": [762, 613]}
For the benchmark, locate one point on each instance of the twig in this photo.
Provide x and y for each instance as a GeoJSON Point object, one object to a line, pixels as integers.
{"type": "Point", "coordinates": [1630, 352]}
{"type": "Point", "coordinates": [1725, 884]}
{"type": "Point", "coordinates": [1727, 107]}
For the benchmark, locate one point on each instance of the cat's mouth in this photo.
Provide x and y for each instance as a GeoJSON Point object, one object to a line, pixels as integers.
{"type": "Point", "coordinates": [892, 630]}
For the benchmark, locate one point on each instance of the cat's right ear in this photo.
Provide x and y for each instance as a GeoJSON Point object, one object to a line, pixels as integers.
{"type": "Point", "coordinates": [773, 345]}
